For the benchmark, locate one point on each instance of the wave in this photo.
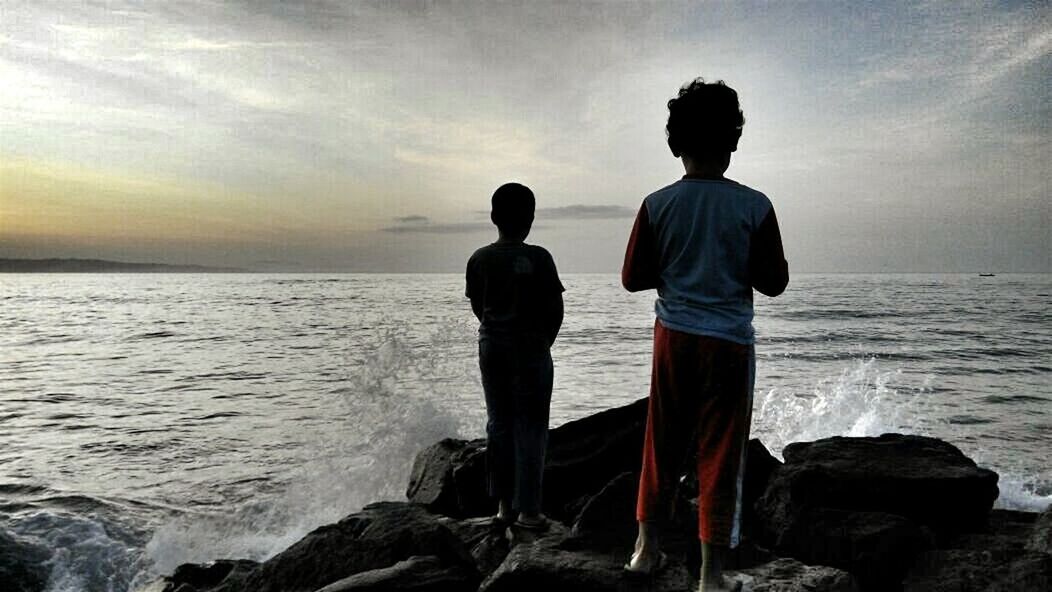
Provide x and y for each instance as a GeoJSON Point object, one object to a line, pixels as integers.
{"type": "Point", "coordinates": [388, 426]}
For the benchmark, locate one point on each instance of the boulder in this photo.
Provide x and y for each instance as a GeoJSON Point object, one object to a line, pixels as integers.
{"type": "Point", "coordinates": [207, 576]}
{"type": "Point", "coordinates": [490, 552]}
{"type": "Point", "coordinates": [586, 454]}
{"type": "Point", "coordinates": [1005, 531]}
{"type": "Point", "coordinates": [583, 456]}
{"type": "Point", "coordinates": [416, 574]}
{"type": "Point", "coordinates": [546, 566]}
{"type": "Point", "coordinates": [608, 518]}
{"type": "Point", "coordinates": [22, 564]}
{"type": "Point", "coordinates": [789, 575]}
{"type": "Point", "coordinates": [449, 478]}
{"type": "Point", "coordinates": [760, 467]}
{"type": "Point", "coordinates": [379, 536]}
{"type": "Point", "coordinates": [1041, 533]}
{"type": "Point", "coordinates": [924, 479]}
{"type": "Point", "coordinates": [961, 570]}
{"type": "Point", "coordinates": [877, 548]}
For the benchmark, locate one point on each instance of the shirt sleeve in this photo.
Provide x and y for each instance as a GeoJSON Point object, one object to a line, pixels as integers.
{"type": "Point", "coordinates": [768, 269]}
{"type": "Point", "coordinates": [640, 270]}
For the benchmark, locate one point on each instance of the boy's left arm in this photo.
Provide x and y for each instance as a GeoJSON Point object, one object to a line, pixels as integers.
{"type": "Point", "coordinates": [473, 291]}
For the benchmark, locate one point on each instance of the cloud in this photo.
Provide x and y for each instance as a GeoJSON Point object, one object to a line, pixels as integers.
{"type": "Point", "coordinates": [422, 225]}
{"type": "Point", "coordinates": [583, 212]}
{"type": "Point", "coordinates": [412, 219]}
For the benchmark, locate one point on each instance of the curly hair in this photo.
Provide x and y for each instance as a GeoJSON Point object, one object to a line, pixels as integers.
{"type": "Point", "coordinates": [704, 120]}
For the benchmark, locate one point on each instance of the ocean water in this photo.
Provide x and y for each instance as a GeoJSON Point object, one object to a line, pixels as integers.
{"type": "Point", "coordinates": [152, 420]}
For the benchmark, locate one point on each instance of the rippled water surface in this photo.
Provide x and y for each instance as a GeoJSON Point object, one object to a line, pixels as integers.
{"type": "Point", "coordinates": [149, 420]}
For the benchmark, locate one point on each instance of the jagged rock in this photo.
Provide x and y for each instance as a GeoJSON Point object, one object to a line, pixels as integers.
{"type": "Point", "coordinates": [789, 575]}
{"type": "Point", "coordinates": [958, 570]}
{"type": "Point", "coordinates": [416, 574]}
{"type": "Point", "coordinates": [924, 479]}
{"type": "Point", "coordinates": [877, 548]}
{"type": "Point", "coordinates": [206, 576]}
{"type": "Point", "coordinates": [1005, 531]}
{"type": "Point", "coordinates": [490, 552]}
{"type": "Point", "coordinates": [449, 477]}
{"type": "Point", "coordinates": [586, 454]}
{"type": "Point", "coordinates": [471, 531]}
{"type": "Point", "coordinates": [760, 467]}
{"type": "Point", "coordinates": [546, 566]}
{"type": "Point", "coordinates": [608, 518]}
{"type": "Point", "coordinates": [583, 456]}
{"type": "Point", "coordinates": [1041, 535]}
{"type": "Point", "coordinates": [22, 564]}
{"type": "Point", "coordinates": [377, 537]}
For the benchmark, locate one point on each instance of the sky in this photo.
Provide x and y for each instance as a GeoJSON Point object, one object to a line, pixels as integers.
{"type": "Point", "coordinates": [369, 136]}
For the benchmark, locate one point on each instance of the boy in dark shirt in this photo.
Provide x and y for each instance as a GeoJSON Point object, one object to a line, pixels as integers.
{"type": "Point", "coordinates": [516, 294]}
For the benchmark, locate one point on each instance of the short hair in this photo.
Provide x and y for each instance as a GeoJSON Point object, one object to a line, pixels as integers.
{"type": "Point", "coordinates": [513, 207]}
{"type": "Point", "coordinates": [704, 120]}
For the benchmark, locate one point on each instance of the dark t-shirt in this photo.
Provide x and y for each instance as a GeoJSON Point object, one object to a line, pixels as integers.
{"type": "Point", "coordinates": [512, 287]}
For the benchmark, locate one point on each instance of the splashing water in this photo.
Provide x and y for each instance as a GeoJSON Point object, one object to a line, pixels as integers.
{"type": "Point", "coordinates": [861, 401]}
{"type": "Point", "coordinates": [865, 400]}
{"type": "Point", "coordinates": [365, 459]}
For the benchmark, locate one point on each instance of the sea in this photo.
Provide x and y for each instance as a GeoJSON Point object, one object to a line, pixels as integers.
{"type": "Point", "coordinates": [148, 420]}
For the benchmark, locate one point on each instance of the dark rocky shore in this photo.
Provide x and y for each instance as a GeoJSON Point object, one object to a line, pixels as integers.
{"type": "Point", "coordinates": [842, 514]}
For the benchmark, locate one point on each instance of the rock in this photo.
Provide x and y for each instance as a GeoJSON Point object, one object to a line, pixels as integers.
{"type": "Point", "coordinates": [583, 456]}
{"type": "Point", "coordinates": [789, 575]}
{"type": "Point", "coordinates": [608, 518]}
{"type": "Point", "coordinates": [22, 564]}
{"type": "Point", "coordinates": [877, 548]}
{"type": "Point", "coordinates": [924, 479]}
{"type": "Point", "coordinates": [586, 454]}
{"type": "Point", "coordinates": [546, 566]}
{"type": "Point", "coordinates": [449, 478]}
{"type": "Point", "coordinates": [379, 536]}
{"type": "Point", "coordinates": [416, 574]}
{"type": "Point", "coordinates": [760, 466]}
{"type": "Point", "coordinates": [957, 570]}
{"type": "Point", "coordinates": [471, 531]}
{"type": "Point", "coordinates": [206, 576]}
{"type": "Point", "coordinates": [1041, 534]}
{"type": "Point", "coordinates": [1005, 531]}
{"type": "Point", "coordinates": [490, 552]}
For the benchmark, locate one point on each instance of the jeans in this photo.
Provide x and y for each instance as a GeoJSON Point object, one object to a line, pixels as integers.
{"type": "Point", "coordinates": [517, 379]}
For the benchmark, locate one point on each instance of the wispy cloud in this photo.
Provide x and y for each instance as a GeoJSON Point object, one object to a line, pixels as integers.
{"type": "Point", "coordinates": [426, 227]}
{"type": "Point", "coordinates": [583, 212]}
{"type": "Point", "coordinates": [415, 219]}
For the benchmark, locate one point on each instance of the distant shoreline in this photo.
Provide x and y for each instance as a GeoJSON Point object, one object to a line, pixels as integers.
{"type": "Point", "coordinates": [76, 265]}
{"type": "Point", "coordinates": [102, 265]}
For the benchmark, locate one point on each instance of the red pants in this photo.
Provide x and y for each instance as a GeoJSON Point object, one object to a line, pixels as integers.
{"type": "Point", "coordinates": [700, 402]}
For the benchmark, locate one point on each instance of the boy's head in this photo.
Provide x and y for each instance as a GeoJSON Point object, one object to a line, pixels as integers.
{"type": "Point", "coordinates": [704, 120]}
{"type": "Point", "coordinates": [513, 206]}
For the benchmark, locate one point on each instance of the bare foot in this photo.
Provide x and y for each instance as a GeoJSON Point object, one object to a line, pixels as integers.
{"type": "Point", "coordinates": [645, 562]}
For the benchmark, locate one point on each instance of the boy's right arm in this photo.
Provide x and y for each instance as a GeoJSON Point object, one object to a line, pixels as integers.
{"type": "Point", "coordinates": [640, 270]}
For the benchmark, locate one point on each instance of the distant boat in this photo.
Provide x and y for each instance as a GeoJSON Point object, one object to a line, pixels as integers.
{"type": "Point", "coordinates": [987, 274]}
